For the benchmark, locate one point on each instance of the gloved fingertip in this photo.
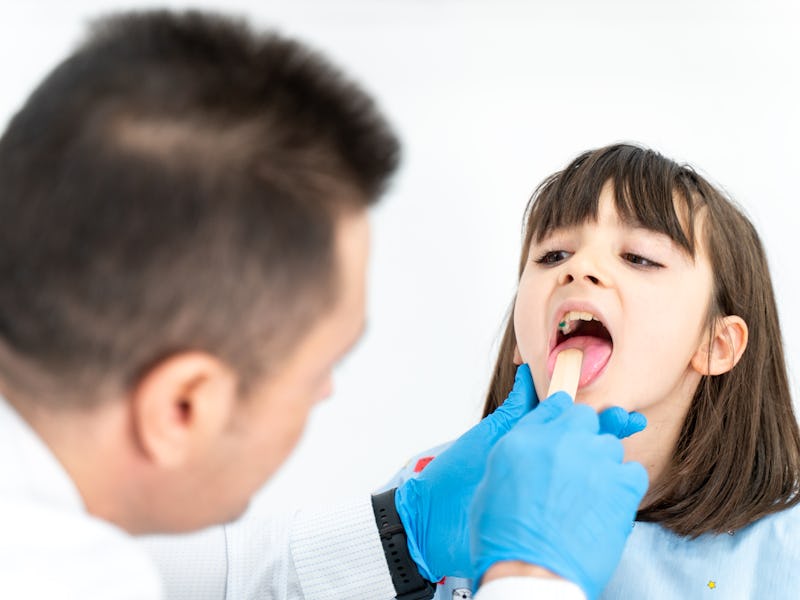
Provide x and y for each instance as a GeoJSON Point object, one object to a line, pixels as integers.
{"type": "Point", "coordinates": [519, 402]}
{"type": "Point", "coordinates": [613, 420]}
{"type": "Point", "coordinates": [620, 423]}
{"type": "Point", "coordinates": [523, 382]}
{"type": "Point", "coordinates": [522, 397]}
{"type": "Point", "coordinates": [636, 423]}
{"type": "Point", "coordinates": [523, 370]}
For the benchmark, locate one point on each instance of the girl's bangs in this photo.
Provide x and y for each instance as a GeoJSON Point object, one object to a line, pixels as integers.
{"type": "Point", "coordinates": [650, 191]}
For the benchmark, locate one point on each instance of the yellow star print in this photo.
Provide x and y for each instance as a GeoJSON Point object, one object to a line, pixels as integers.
{"type": "Point", "coordinates": [712, 585]}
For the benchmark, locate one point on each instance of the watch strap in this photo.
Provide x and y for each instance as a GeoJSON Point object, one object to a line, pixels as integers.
{"type": "Point", "coordinates": [408, 583]}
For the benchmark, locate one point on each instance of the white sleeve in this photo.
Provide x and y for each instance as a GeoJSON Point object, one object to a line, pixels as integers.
{"type": "Point", "coordinates": [313, 554]}
{"type": "Point", "coordinates": [338, 553]}
{"type": "Point", "coordinates": [529, 587]}
{"type": "Point", "coordinates": [192, 566]}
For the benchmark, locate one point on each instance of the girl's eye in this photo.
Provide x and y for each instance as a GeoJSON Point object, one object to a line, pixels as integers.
{"type": "Point", "coordinates": [552, 257]}
{"type": "Point", "coordinates": [641, 261]}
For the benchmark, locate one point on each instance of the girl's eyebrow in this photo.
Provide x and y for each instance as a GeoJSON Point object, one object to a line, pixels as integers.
{"type": "Point", "coordinates": [555, 232]}
{"type": "Point", "coordinates": [559, 235]}
{"type": "Point", "coordinates": [553, 237]}
{"type": "Point", "coordinates": [664, 240]}
{"type": "Point", "coordinates": [656, 238]}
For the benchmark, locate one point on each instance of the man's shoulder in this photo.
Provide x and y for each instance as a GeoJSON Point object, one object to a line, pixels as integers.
{"type": "Point", "coordinates": [46, 551]}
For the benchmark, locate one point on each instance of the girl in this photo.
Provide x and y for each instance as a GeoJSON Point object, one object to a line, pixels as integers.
{"type": "Point", "coordinates": [663, 283]}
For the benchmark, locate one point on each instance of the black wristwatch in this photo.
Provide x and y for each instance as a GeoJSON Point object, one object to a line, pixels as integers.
{"type": "Point", "coordinates": [408, 583]}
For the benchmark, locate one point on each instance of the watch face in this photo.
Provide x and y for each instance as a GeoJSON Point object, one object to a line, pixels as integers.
{"type": "Point", "coordinates": [462, 594]}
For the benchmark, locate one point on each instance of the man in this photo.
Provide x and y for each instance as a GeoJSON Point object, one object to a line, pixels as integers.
{"type": "Point", "coordinates": [183, 244]}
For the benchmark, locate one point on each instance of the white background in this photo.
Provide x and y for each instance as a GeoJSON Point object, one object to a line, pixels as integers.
{"type": "Point", "coordinates": [489, 98]}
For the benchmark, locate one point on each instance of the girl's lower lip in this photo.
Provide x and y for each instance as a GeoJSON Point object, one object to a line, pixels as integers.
{"type": "Point", "coordinates": [596, 354]}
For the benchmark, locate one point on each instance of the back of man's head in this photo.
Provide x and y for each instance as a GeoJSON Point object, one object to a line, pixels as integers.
{"type": "Point", "coordinates": [175, 185]}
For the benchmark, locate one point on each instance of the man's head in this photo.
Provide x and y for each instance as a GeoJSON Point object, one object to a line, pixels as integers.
{"type": "Point", "coordinates": [182, 216]}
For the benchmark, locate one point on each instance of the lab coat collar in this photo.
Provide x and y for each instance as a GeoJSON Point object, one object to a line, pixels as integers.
{"type": "Point", "coordinates": [28, 469]}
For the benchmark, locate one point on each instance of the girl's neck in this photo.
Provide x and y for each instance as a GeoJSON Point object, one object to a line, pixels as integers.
{"type": "Point", "coordinates": [654, 446]}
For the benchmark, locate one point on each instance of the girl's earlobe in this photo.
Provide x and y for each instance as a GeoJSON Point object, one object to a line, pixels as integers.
{"type": "Point", "coordinates": [722, 351]}
{"type": "Point", "coordinates": [517, 356]}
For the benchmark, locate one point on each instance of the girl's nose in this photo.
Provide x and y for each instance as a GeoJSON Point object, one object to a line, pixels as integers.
{"type": "Point", "coordinates": [581, 268]}
{"type": "Point", "coordinates": [568, 277]}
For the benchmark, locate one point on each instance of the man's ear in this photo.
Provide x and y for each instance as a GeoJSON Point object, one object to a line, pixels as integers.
{"type": "Point", "coordinates": [722, 351]}
{"type": "Point", "coordinates": [517, 356]}
{"type": "Point", "coordinates": [181, 405]}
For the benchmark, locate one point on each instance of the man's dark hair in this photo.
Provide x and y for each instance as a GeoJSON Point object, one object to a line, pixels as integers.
{"type": "Point", "coordinates": [173, 185]}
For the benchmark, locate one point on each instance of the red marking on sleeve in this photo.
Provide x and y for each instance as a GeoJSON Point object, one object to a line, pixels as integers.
{"type": "Point", "coordinates": [422, 463]}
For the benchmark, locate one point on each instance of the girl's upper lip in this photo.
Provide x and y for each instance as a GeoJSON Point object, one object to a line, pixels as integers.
{"type": "Point", "coordinates": [577, 305]}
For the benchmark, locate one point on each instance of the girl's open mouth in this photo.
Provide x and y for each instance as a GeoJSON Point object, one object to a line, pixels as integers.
{"type": "Point", "coordinates": [582, 330]}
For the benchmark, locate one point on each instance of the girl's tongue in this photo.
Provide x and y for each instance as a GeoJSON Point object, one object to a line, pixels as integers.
{"type": "Point", "coordinates": [596, 352]}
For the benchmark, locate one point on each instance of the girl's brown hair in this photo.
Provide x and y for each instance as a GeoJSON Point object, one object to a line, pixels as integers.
{"type": "Point", "coordinates": [737, 458]}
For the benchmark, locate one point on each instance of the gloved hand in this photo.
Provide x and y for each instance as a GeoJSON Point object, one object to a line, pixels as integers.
{"type": "Point", "coordinates": [556, 494]}
{"type": "Point", "coordinates": [434, 506]}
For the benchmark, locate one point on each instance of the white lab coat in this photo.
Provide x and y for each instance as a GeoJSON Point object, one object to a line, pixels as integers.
{"type": "Point", "coordinates": [50, 547]}
{"type": "Point", "coordinates": [333, 553]}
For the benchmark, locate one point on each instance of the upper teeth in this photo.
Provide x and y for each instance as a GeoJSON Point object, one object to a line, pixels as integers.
{"type": "Point", "coordinates": [568, 321]}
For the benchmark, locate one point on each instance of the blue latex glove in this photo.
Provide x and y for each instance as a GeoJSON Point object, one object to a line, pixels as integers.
{"type": "Point", "coordinates": [556, 494]}
{"type": "Point", "coordinates": [434, 506]}
{"type": "Point", "coordinates": [620, 423]}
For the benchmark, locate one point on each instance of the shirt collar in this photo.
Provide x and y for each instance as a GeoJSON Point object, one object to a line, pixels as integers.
{"type": "Point", "coordinates": [28, 469]}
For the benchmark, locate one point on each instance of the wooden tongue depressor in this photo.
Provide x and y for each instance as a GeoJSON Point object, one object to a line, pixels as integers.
{"type": "Point", "coordinates": [567, 372]}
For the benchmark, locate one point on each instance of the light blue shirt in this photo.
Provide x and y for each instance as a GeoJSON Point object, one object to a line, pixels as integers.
{"type": "Point", "coordinates": [761, 561]}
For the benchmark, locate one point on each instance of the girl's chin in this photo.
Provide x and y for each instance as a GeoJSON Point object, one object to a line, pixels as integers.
{"type": "Point", "coordinates": [597, 401]}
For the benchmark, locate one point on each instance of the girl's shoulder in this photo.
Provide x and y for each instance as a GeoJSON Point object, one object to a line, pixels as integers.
{"type": "Point", "coordinates": [414, 466]}
{"type": "Point", "coordinates": [781, 528]}
{"type": "Point", "coordinates": [761, 560]}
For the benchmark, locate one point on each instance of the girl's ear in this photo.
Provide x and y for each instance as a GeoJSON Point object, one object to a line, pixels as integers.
{"type": "Point", "coordinates": [517, 356]}
{"type": "Point", "coordinates": [726, 346]}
